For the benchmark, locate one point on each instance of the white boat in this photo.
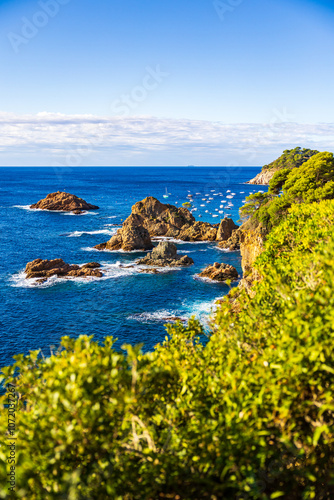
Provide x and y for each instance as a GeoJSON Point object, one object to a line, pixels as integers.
{"type": "Point", "coordinates": [214, 215]}
{"type": "Point", "coordinates": [166, 195]}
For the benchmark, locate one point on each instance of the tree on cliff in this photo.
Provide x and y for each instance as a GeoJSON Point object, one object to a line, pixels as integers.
{"type": "Point", "coordinates": [312, 181]}
{"type": "Point", "coordinates": [291, 158]}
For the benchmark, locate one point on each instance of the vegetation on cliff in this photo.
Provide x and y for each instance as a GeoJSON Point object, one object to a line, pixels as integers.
{"type": "Point", "coordinates": [248, 414]}
{"type": "Point", "coordinates": [291, 158]}
{"type": "Point", "coordinates": [313, 181]}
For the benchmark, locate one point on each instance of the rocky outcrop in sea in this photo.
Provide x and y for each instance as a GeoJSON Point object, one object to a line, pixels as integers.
{"type": "Point", "coordinates": [220, 272]}
{"type": "Point", "coordinates": [65, 202]}
{"type": "Point", "coordinates": [150, 219]}
{"type": "Point", "coordinates": [44, 269]}
{"type": "Point", "coordinates": [165, 254]}
{"type": "Point", "coordinates": [132, 236]}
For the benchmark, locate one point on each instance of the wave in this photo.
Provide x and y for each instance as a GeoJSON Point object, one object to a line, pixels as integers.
{"type": "Point", "coordinates": [180, 242]}
{"type": "Point", "coordinates": [110, 271]}
{"type": "Point", "coordinates": [92, 249]}
{"type": "Point", "coordinates": [162, 316]}
{"type": "Point", "coordinates": [27, 207]}
{"type": "Point", "coordinates": [226, 250]}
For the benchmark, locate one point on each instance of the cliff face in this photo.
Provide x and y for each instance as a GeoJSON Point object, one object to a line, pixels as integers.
{"type": "Point", "coordinates": [251, 245]}
{"type": "Point", "coordinates": [263, 177]}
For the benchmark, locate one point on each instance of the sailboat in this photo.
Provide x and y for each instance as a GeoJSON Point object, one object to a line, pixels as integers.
{"type": "Point", "coordinates": [166, 195]}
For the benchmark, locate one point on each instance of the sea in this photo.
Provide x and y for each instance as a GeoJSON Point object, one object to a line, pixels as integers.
{"type": "Point", "coordinates": [131, 306]}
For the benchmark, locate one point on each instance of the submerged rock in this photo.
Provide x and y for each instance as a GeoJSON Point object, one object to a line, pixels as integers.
{"type": "Point", "coordinates": [64, 202]}
{"type": "Point", "coordinates": [220, 272]}
{"type": "Point", "coordinates": [44, 269]}
{"type": "Point", "coordinates": [165, 254]}
{"type": "Point", "coordinates": [159, 219]}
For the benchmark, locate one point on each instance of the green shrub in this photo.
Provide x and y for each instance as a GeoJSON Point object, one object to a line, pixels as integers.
{"type": "Point", "coordinates": [291, 158]}
{"type": "Point", "coordinates": [248, 415]}
{"type": "Point", "coordinates": [310, 182]}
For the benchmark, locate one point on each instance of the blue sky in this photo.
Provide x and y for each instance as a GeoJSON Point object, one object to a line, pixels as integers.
{"type": "Point", "coordinates": [202, 69]}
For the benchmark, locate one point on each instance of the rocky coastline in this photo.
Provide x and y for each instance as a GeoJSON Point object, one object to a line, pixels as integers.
{"type": "Point", "coordinates": [150, 218]}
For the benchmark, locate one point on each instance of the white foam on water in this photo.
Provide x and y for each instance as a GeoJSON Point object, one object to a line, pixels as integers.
{"type": "Point", "coordinates": [225, 250]}
{"type": "Point", "coordinates": [179, 242]}
{"type": "Point", "coordinates": [70, 213]}
{"type": "Point", "coordinates": [77, 234]}
{"type": "Point", "coordinates": [92, 249]}
{"type": "Point", "coordinates": [110, 271]}
{"type": "Point", "coordinates": [162, 316]}
{"type": "Point", "coordinates": [112, 217]}
{"type": "Point", "coordinates": [27, 207]}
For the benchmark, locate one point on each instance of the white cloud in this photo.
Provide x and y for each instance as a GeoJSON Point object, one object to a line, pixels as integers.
{"type": "Point", "coordinates": [49, 138]}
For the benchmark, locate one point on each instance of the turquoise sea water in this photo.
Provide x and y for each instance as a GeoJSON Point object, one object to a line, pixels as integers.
{"type": "Point", "coordinates": [126, 304]}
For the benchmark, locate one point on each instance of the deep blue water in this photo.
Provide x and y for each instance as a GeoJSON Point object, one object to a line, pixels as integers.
{"type": "Point", "coordinates": [126, 304]}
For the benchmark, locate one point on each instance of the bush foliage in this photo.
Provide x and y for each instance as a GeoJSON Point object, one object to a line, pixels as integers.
{"type": "Point", "coordinates": [291, 158]}
{"type": "Point", "coordinates": [313, 181]}
{"type": "Point", "coordinates": [247, 415]}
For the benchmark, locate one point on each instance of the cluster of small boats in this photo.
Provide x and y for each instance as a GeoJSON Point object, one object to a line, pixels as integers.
{"type": "Point", "coordinates": [225, 200]}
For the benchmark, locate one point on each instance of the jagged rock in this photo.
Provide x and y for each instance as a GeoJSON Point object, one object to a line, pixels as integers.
{"type": "Point", "coordinates": [166, 220]}
{"type": "Point", "coordinates": [65, 202]}
{"type": "Point", "coordinates": [199, 231]}
{"type": "Point", "coordinates": [233, 243]}
{"type": "Point", "coordinates": [132, 236]}
{"type": "Point", "coordinates": [225, 229]}
{"type": "Point", "coordinates": [160, 219]}
{"type": "Point", "coordinates": [165, 254]}
{"type": "Point", "coordinates": [57, 267]}
{"type": "Point", "coordinates": [220, 272]}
